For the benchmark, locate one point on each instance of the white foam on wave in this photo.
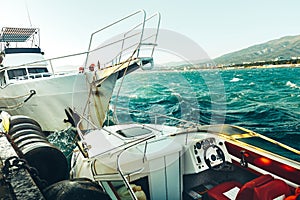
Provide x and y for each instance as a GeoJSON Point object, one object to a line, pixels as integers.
{"type": "Point", "coordinates": [133, 96]}
{"type": "Point", "coordinates": [235, 79]}
{"type": "Point", "coordinates": [178, 95]}
{"type": "Point", "coordinates": [292, 85]}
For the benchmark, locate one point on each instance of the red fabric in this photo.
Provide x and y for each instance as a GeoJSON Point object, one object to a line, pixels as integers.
{"type": "Point", "coordinates": [295, 196]}
{"type": "Point", "coordinates": [217, 192]}
{"type": "Point", "coordinates": [264, 187]}
{"type": "Point", "coordinates": [271, 190]}
{"type": "Point", "coordinates": [247, 190]}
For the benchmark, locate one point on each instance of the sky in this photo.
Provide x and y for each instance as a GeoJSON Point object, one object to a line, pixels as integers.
{"type": "Point", "coordinates": [218, 26]}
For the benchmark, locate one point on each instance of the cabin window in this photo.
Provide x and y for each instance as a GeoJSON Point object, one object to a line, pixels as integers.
{"type": "Point", "coordinates": [17, 73]}
{"type": "Point", "coordinates": [37, 70]}
{"type": "Point", "coordinates": [2, 79]}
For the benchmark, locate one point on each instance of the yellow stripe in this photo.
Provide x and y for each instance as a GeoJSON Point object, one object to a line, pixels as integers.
{"type": "Point", "coordinates": [5, 121]}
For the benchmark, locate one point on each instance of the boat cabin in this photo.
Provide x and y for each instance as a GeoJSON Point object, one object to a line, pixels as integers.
{"type": "Point", "coordinates": [16, 74]}
{"type": "Point", "coordinates": [21, 56]}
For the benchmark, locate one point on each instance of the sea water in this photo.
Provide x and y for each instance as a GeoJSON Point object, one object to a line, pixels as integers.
{"type": "Point", "coordinates": [266, 100]}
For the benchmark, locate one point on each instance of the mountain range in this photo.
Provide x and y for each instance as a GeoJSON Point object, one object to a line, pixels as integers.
{"type": "Point", "coordinates": [282, 48]}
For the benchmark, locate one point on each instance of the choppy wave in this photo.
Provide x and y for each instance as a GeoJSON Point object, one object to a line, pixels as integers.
{"type": "Point", "coordinates": [263, 100]}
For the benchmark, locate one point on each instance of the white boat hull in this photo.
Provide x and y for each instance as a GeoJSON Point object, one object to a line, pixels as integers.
{"type": "Point", "coordinates": [30, 86]}
{"type": "Point", "coordinates": [55, 94]}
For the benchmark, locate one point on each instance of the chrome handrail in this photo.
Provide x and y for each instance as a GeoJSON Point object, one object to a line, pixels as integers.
{"type": "Point", "coordinates": [119, 54]}
{"type": "Point", "coordinates": [143, 24]}
{"type": "Point", "coordinates": [112, 24]}
{"type": "Point", "coordinates": [123, 175]}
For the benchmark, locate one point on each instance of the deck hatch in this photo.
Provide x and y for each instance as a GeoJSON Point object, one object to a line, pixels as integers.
{"type": "Point", "coordinates": [134, 131]}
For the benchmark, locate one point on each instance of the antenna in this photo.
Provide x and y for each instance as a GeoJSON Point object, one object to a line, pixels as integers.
{"type": "Point", "coordinates": [28, 13]}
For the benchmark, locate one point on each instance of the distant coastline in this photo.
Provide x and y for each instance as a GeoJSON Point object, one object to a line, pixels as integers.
{"type": "Point", "coordinates": [285, 50]}
{"type": "Point", "coordinates": [262, 66]}
{"type": "Point", "coordinates": [201, 67]}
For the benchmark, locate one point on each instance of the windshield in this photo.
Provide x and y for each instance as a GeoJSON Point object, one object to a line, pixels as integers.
{"type": "Point", "coordinates": [269, 146]}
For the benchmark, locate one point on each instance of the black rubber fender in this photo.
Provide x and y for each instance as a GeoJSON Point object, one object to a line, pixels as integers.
{"type": "Point", "coordinates": [30, 141]}
{"type": "Point", "coordinates": [20, 133]}
{"type": "Point", "coordinates": [18, 119]}
{"type": "Point", "coordinates": [23, 126]}
{"type": "Point", "coordinates": [49, 161]}
{"type": "Point", "coordinates": [77, 189]}
{"type": "Point", "coordinates": [28, 136]}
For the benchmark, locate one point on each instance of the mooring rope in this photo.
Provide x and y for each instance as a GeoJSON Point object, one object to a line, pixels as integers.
{"type": "Point", "coordinates": [26, 97]}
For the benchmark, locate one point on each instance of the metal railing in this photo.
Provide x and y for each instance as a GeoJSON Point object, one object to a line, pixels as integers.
{"type": "Point", "coordinates": [137, 31]}
{"type": "Point", "coordinates": [122, 149]}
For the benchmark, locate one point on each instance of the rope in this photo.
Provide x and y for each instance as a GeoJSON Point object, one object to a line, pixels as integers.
{"type": "Point", "coordinates": [17, 97]}
{"type": "Point", "coordinates": [117, 96]}
{"type": "Point", "coordinates": [14, 107]}
{"type": "Point", "coordinates": [17, 105]}
{"type": "Point", "coordinates": [15, 164]}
